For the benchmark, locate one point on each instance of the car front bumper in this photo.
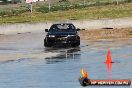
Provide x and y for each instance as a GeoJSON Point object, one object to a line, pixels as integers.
{"type": "Point", "coordinates": [64, 40]}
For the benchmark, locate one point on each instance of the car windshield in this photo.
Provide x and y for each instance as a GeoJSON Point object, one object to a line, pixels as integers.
{"type": "Point", "coordinates": [62, 28]}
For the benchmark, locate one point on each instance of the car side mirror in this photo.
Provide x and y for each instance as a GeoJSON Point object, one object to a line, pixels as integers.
{"type": "Point", "coordinates": [46, 30]}
{"type": "Point", "coordinates": [78, 29]}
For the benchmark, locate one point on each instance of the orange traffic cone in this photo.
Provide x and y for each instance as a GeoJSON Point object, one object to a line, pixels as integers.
{"type": "Point", "coordinates": [108, 60]}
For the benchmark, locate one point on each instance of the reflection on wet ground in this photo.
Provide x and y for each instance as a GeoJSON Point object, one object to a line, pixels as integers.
{"type": "Point", "coordinates": [33, 70]}
{"type": "Point", "coordinates": [65, 54]}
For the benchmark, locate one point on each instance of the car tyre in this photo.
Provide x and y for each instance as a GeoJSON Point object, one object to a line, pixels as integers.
{"type": "Point", "coordinates": [46, 44]}
{"type": "Point", "coordinates": [75, 44]}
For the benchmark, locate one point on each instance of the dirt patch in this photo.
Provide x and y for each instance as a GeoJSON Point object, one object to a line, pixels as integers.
{"type": "Point", "coordinates": [106, 33]}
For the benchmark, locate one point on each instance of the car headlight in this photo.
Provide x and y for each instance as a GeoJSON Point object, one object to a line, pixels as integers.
{"type": "Point", "coordinates": [51, 36]}
{"type": "Point", "coordinates": [70, 35]}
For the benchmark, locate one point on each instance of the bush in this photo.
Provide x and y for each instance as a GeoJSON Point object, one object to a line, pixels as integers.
{"type": "Point", "coordinates": [63, 1]}
{"type": "Point", "coordinates": [2, 13]}
{"type": "Point", "coordinates": [129, 1]}
{"type": "Point", "coordinates": [66, 5]}
{"type": "Point", "coordinates": [12, 12]}
{"type": "Point", "coordinates": [43, 9]}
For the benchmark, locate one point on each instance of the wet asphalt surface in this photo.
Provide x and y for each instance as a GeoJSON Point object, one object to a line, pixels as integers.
{"type": "Point", "coordinates": [63, 70]}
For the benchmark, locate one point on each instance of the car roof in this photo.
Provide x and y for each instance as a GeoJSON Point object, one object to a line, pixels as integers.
{"type": "Point", "coordinates": [63, 23]}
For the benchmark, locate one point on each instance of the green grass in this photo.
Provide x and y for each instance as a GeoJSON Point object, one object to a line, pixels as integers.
{"type": "Point", "coordinates": [95, 12]}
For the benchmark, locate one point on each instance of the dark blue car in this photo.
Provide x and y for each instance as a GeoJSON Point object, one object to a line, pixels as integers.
{"type": "Point", "coordinates": [64, 33]}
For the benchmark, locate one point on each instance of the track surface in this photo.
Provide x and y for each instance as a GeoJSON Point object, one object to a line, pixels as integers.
{"type": "Point", "coordinates": [63, 70]}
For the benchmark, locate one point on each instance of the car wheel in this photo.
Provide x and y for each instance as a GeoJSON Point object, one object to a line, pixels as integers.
{"type": "Point", "coordinates": [47, 44]}
{"type": "Point", "coordinates": [75, 44]}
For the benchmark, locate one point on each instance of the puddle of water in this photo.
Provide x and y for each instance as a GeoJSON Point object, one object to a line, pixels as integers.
{"type": "Point", "coordinates": [35, 71]}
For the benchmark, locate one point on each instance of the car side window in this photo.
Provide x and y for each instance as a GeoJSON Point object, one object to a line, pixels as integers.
{"type": "Point", "coordinates": [71, 28]}
{"type": "Point", "coordinates": [53, 28]}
